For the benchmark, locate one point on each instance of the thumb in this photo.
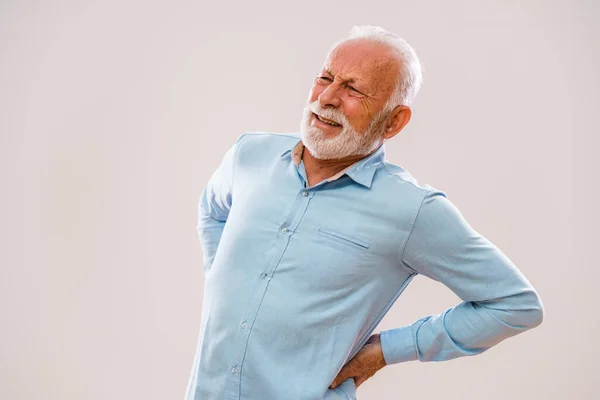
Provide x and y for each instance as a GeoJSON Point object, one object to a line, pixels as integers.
{"type": "Point", "coordinates": [358, 381]}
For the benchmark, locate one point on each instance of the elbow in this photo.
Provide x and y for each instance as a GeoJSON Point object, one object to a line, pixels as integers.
{"type": "Point", "coordinates": [537, 313]}
{"type": "Point", "coordinates": [527, 314]}
{"type": "Point", "coordinates": [533, 316]}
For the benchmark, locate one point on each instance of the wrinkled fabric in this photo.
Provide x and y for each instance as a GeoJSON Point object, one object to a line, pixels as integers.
{"type": "Point", "coordinates": [297, 278]}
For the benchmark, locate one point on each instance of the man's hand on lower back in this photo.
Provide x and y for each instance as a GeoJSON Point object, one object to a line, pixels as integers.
{"type": "Point", "coordinates": [363, 365]}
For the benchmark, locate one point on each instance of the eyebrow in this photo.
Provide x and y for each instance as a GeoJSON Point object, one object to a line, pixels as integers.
{"type": "Point", "coordinates": [351, 80]}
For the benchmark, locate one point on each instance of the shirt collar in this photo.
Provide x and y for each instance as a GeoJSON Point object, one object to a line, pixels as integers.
{"type": "Point", "coordinates": [362, 171]}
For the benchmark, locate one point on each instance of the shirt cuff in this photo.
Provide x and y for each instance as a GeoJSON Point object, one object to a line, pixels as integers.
{"type": "Point", "coordinates": [398, 345]}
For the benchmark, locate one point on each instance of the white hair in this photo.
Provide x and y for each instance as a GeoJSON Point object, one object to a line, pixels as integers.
{"type": "Point", "coordinates": [409, 81]}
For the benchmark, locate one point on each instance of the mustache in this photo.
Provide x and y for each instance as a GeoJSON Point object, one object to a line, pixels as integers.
{"type": "Point", "coordinates": [333, 114]}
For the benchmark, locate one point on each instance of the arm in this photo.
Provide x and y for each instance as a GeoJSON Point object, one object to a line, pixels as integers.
{"type": "Point", "coordinates": [214, 205]}
{"type": "Point", "coordinates": [498, 301]}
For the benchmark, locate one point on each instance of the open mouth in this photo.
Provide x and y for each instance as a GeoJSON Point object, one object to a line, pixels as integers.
{"type": "Point", "coordinates": [326, 121]}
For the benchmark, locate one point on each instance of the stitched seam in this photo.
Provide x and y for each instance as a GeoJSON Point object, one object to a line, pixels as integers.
{"type": "Point", "coordinates": [385, 166]}
{"type": "Point", "coordinates": [412, 228]}
{"type": "Point", "coordinates": [344, 393]}
{"type": "Point", "coordinates": [235, 161]}
{"type": "Point", "coordinates": [342, 237]}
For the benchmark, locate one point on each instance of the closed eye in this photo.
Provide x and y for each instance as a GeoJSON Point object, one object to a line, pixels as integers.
{"type": "Point", "coordinates": [355, 90]}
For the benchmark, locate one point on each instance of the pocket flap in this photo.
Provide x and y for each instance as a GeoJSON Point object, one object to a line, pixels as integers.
{"type": "Point", "coordinates": [342, 237]}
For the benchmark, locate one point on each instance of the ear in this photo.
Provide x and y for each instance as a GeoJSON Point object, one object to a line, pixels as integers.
{"type": "Point", "coordinates": [399, 117]}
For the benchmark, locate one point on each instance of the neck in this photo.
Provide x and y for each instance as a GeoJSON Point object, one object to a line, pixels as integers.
{"type": "Point", "coordinates": [318, 169]}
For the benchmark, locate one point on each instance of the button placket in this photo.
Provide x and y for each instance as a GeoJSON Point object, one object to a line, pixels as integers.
{"type": "Point", "coordinates": [286, 230]}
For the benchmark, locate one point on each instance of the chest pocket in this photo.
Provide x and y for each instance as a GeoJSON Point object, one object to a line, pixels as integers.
{"type": "Point", "coordinates": [343, 238]}
{"type": "Point", "coordinates": [332, 260]}
{"type": "Point", "coordinates": [343, 243]}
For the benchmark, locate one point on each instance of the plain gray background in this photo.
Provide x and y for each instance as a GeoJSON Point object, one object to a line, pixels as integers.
{"type": "Point", "coordinates": [114, 114]}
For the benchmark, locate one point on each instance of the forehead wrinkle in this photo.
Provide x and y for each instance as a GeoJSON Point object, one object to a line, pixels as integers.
{"type": "Point", "coordinates": [361, 82]}
{"type": "Point", "coordinates": [382, 70]}
{"type": "Point", "coordinates": [351, 79]}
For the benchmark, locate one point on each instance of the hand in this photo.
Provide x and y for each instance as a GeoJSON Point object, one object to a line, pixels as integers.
{"type": "Point", "coordinates": [363, 365]}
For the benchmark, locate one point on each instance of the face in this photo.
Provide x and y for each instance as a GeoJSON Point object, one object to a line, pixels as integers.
{"type": "Point", "coordinates": [345, 113]}
{"type": "Point", "coordinates": [347, 142]}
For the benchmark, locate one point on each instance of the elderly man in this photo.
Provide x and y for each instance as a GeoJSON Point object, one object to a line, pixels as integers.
{"type": "Point", "coordinates": [309, 239]}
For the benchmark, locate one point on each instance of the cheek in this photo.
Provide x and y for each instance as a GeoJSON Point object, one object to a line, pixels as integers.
{"type": "Point", "coordinates": [356, 115]}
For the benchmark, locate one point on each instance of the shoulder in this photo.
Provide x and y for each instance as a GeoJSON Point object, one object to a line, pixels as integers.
{"type": "Point", "coordinates": [431, 205]}
{"type": "Point", "coordinates": [396, 176]}
{"type": "Point", "coordinates": [257, 146]}
{"type": "Point", "coordinates": [258, 137]}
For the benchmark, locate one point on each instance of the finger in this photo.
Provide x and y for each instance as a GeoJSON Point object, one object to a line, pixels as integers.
{"type": "Point", "coordinates": [358, 380]}
{"type": "Point", "coordinates": [341, 377]}
{"type": "Point", "coordinates": [336, 382]}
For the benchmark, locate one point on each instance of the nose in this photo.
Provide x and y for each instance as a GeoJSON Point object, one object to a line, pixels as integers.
{"type": "Point", "coordinates": [329, 97]}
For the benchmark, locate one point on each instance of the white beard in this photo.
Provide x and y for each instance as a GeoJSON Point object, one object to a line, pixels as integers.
{"type": "Point", "coordinates": [346, 143]}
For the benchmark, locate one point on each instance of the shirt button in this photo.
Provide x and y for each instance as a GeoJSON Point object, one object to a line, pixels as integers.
{"type": "Point", "coordinates": [234, 369]}
{"type": "Point", "coordinates": [284, 230]}
{"type": "Point", "coordinates": [305, 194]}
{"type": "Point", "coordinates": [244, 324]}
{"type": "Point", "coordinates": [263, 275]}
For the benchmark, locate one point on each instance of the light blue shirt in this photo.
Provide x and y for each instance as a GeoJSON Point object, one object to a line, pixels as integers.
{"type": "Point", "coordinates": [297, 278]}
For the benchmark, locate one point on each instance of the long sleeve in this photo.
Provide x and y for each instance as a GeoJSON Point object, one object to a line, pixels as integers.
{"type": "Point", "coordinates": [214, 205]}
{"type": "Point", "coordinates": [498, 301]}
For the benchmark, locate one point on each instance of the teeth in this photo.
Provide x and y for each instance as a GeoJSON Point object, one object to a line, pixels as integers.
{"type": "Point", "coordinates": [328, 122]}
